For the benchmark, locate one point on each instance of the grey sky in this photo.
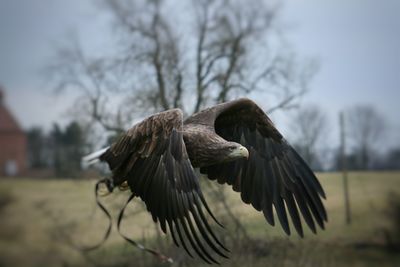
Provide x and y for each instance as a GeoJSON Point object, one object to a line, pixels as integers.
{"type": "Point", "coordinates": [356, 41]}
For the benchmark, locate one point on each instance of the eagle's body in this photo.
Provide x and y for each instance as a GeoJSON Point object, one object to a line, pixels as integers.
{"type": "Point", "coordinates": [233, 143]}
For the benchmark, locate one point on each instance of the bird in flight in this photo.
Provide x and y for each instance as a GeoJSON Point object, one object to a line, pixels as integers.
{"type": "Point", "coordinates": [232, 143]}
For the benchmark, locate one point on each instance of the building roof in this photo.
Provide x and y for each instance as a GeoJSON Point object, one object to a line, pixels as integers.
{"type": "Point", "coordinates": [7, 121]}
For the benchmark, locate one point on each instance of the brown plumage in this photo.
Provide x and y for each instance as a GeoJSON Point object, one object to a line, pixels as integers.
{"type": "Point", "coordinates": [234, 143]}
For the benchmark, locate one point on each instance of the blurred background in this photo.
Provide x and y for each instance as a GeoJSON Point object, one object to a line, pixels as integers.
{"type": "Point", "coordinates": [75, 74]}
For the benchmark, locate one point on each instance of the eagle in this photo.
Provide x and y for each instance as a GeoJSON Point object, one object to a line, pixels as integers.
{"type": "Point", "coordinates": [232, 143]}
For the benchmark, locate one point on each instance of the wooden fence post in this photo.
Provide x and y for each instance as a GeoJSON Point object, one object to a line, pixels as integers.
{"type": "Point", "coordinates": [344, 168]}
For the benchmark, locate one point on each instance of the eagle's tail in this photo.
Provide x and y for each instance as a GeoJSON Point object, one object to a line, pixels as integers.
{"type": "Point", "coordinates": [93, 157]}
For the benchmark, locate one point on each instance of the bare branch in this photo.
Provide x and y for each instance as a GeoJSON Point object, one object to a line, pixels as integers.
{"type": "Point", "coordinates": [287, 102]}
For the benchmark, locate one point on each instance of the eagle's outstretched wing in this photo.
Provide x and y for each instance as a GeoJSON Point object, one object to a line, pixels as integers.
{"type": "Point", "coordinates": [152, 158]}
{"type": "Point", "coordinates": [274, 175]}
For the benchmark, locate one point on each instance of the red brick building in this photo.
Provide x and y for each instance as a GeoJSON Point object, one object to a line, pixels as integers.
{"type": "Point", "coordinates": [12, 143]}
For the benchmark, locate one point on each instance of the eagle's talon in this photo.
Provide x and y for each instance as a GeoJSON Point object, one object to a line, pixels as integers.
{"type": "Point", "coordinates": [103, 190]}
{"type": "Point", "coordinates": [124, 186]}
{"type": "Point", "coordinates": [105, 187]}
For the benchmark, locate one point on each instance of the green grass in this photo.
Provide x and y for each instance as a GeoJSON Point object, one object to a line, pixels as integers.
{"type": "Point", "coordinates": [41, 218]}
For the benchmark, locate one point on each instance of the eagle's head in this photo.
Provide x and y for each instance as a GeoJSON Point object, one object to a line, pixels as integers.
{"type": "Point", "coordinates": [234, 151]}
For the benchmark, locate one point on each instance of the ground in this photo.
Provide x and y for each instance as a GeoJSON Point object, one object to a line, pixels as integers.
{"type": "Point", "coordinates": [43, 220]}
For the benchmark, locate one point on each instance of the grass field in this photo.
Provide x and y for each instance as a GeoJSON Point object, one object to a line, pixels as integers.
{"type": "Point", "coordinates": [41, 219]}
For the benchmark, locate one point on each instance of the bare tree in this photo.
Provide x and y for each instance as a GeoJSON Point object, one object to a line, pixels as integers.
{"type": "Point", "coordinates": [365, 127]}
{"type": "Point", "coordinates": [224, 50]}
{"type": "Point", "coordinates": [310, 125]}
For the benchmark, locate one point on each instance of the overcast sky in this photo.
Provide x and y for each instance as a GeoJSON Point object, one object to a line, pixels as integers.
{"type": "Point", "coordinates": [356, 41]}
